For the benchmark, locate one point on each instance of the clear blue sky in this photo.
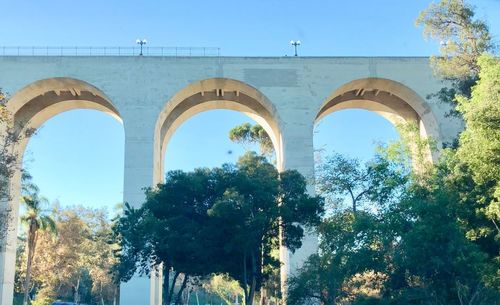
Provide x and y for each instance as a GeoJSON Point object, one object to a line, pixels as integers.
{"type": "Point", "coordinates": [88, 168]}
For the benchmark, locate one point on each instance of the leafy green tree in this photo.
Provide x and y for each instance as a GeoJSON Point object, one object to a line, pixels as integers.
{"type": "Point", "coordinates": [408, 247]}
{"type": "Point", "coordinates": [260, 203]}
{"type": "Point", "coordinates": [351, 248]}
{"type": "Point", "coordinates": [433, 261]}
{"type": "Point", "coordinates": [7, 159]}
{"type": "Point", "coordinates": [170, 229]}
{"type": "Point", "coordinates": [225, 220]}
{"type": "Point", "coordinates": [252, 134]}
{"type": "Point", "coordinates": [76, 264]}
{"type": "Point", "coordinates": [480, 142]}
{"type": "Point", "coordinates": [9, 163]}
{"type": "Point", "coordinates": [225, 287]}
{"type": "Point", "coordinates": [470, 168]}
{"type": "Point", "coordinates": [36, 220]}
{"type": "Point", "coordinates": [463, 39]}
{"type": "Point", "coordinates": [378, 180]}
{"type": "Point", "coordinates": [354, 242]}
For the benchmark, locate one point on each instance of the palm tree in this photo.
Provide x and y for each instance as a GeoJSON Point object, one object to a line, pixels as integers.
{"type": "Point", "coordinates": [36, 220]}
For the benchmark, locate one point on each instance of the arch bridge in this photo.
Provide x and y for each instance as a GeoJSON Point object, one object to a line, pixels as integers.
{"type": "Point", "coordinates": [152, 96]}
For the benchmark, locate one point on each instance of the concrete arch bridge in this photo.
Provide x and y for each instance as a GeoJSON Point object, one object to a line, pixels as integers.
{"type": "Point", "coordinates": [152, 96]}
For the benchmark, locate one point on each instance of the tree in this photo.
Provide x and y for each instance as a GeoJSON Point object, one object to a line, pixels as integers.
{"type": "Point", "coordinates": [225, 287]}
{"type": "Point", "coordinates": [351, 258]}
{"type": "Point", "coordinates": [469, 169]}
{"type": "Point", "coordinates": [225, 220]}
{"type": "Point", "coordinates": [7, 160]}
{"type": "Point", "coordinates": [433, 262]}
{"type": "Point", "coordinates": [410, 247]}
{"type": "Point", "coordinates": [463, 39]}
{"type": "Point", "coordinates": [78, 263]}
{"type": "Point", "coordinates": [354, 243]}
{"type": "Point", "coordinates": [260, 203]}
{"type": "Point", "coordinates": [340, 177]}
{"type": "Point", "coordinates": [252, 134]}
{"type": "Point", "coordinates": [36, 220]}
{"type": "Point", "coordinates": [480, 142]}
{"type": "Point", "coordinates": [170, 229]}
{"type": "Point", "coordinates": [9, 163]}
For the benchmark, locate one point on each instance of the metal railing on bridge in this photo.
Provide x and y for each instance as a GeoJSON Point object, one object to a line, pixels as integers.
{"type": "Point", "coordinates": [110, 51]}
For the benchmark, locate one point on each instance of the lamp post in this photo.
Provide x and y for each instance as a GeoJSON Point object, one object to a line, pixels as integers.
{"type": "Point", "coordinates": [141, 42]}
{"type": "Point", "coordinates": [295, 44]}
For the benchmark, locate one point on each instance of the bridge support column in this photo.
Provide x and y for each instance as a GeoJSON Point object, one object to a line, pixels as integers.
{"type": "Point", "coordinates": [298, 154]}
{"type": "Point", "coordinates": [9, 214]}
{"type": "Point", "coordinates": [138, 173]}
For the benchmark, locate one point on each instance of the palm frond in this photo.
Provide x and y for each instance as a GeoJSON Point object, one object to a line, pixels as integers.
{"type": "Point", "coordinates": [48, 224]}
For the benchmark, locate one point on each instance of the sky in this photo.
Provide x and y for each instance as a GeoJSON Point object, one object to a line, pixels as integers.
{"type": "Point", "coordinates": [87, 169]}
{"type": "Point", "coordinates": [252, 28]}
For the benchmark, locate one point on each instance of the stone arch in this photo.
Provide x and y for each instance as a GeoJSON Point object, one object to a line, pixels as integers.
{"type": "Point", "coordinates": [390, 99]}
{"type": "Point", "coordinates": [29, 108]}
{"type": "Point", "coordinates": [210, 94]}
{"type": "Point", "coordinates": [36, 103]}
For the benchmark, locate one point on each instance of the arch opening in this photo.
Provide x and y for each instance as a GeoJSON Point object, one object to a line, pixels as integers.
{"type": "Point", "coordinates": [392, 100]}
{"type": "Point", "coordinates": [212, 94]}
{"type": "Point", "coordinates": [30, 108]}
{"type": "Point", "coordinates": [36, 103]}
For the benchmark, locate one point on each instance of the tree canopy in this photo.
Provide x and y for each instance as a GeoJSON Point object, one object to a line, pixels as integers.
{"type": "Point", "coordinates": [252, 134]}
{"type": "Point", "coordinates": [463, 39]}
{"type": "Point", "coordinates": [76, 265]}
{"type": "Point", "coordinates": [222, 220]}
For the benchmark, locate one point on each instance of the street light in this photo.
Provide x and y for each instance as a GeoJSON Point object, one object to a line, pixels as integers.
{"type": "Point", "coordinates": [141, 42]}
{"type": "Point", "coordinates": [295, 44]}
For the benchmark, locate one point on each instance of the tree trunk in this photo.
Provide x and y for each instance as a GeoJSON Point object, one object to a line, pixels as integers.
{"type": "Point", "coordinates": [197, 299]}
{"type": "Point", "coordinates": [31, 251]}
{"type": "Point", "coordinates": [254, 280]}
{"type": "Point", "coordinates": [117, 293]}
{"type": "Point", "coordinates": [179, 293]}
{"type": "Point", "coordinates": [100, 292]}
{"type": "Point", "coordinates": [77, 287]}
{"type": "Point", "coordinates": [171, 293]}
{"type": "Point", "coordinates": [245, 286]}
{"type": "Point", "coordinates": [166, 284]}
{"type": "Point", "coordinates": [263, 296]}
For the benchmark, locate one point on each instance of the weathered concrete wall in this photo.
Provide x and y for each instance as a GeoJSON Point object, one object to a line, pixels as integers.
{"type": "Point", "coordinates": [291, 90]}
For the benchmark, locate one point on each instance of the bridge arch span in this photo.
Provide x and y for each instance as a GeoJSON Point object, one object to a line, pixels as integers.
{"type": "Point", "coordinates": [211, 94]}
{"type": "Point", "coordinates": [392, 100]}
{"type": "Point", "coordinates": [29, 108]}
{"type": "Point", "coordinates": [37, 102]}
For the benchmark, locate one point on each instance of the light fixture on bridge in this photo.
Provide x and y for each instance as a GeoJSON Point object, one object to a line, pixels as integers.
{"type": "Point", "coordinates": [141, 42]}
{"type": "Point", "coordinates": [295, 44]}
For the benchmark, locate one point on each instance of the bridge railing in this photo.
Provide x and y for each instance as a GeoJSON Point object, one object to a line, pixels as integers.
{"type": "Point", "coordinates": [109, 51]}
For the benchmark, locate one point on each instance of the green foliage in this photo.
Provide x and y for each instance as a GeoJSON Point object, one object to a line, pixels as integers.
{"type": "Point", "coordinates": [76, 264]}
{"type": "Point", "coordinates": [350, 265]}
{"type": "Point", "coordinates": [247, 134]}
{"type": "Point", "coordinates": [408, 247]}
{"type": "Point", "coordinates": [480, 142]}
{"type": "Point", "coordinates": [9, 163]}
{"type": "Point", "coordinates": [43, 301]}
{"type": "Point", "coordinates": [224, 287]}
{"type": "Point", "coordinates": [432, 260]}
{"type": "Point", "coordinates": [36, 220]}
{"type": "Point", "coordinates": [224, 220]}
{"type": "Point", "coordinates": [463, 38]}
{"type": "Point", "coordinates": [379, 180]}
